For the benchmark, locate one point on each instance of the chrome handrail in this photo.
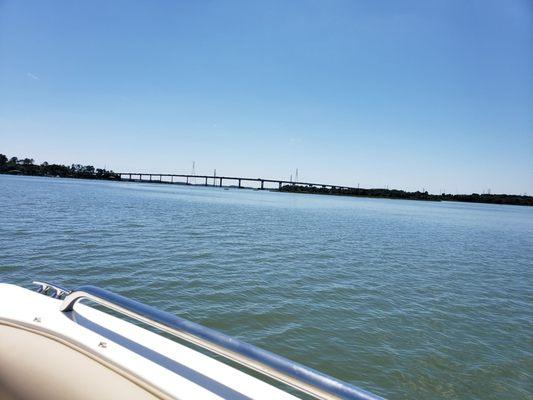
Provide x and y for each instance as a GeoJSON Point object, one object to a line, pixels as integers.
{"type": "Point", "coordinates": [305, 379]}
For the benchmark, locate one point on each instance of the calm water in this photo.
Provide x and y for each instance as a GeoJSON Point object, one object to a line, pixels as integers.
{"type": "Point", "coordinates": [407, 299]}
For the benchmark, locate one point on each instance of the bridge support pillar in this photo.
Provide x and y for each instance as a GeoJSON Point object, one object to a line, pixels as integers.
{"type": "Point", "coordinates": [206, 181]}
{"type": "Point", "coordinates": [240, 183]}
{"type": "Point", "coordinates": [220, 182]}
{"type": "Point", "coordinates": [262, 184]}
{"type": "Point", "coordinates": [279, 183]}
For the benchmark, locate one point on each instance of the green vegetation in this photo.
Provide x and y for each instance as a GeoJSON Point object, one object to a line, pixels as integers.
{"type": "Point", "coordinates": [401, 194]}
{"type": "Point", "coordinates": [26, 166]}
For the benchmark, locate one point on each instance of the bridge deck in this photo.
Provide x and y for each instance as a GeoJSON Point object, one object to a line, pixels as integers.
{"type": "Point", "coordinates": [131, 176]}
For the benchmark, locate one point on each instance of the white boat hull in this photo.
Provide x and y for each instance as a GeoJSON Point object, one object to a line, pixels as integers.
{"type": "Point", "coordinates": [88, 354]}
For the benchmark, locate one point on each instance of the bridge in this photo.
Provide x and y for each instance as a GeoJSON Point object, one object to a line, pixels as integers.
{"type": "Point", "coordinates": [214, 180]}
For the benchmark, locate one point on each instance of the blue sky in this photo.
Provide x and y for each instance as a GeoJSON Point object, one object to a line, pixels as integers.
{"type": "Point", "coordinates": [409, 95]}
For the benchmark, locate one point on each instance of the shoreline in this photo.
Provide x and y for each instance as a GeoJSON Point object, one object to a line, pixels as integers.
{"type": "Point", "coordinates": [392, 194]}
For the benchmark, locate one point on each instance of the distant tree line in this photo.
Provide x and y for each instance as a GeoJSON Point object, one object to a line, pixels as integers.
{"type": "Point", "coordinates": [26, 166]}
{"type": "Point", "coordinates": [401, 194]}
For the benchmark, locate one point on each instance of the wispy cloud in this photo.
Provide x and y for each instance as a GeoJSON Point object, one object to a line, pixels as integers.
{"type": "Point", "coordinates": [32, 76]}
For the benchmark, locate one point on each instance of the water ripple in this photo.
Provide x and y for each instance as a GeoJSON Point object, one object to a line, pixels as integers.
{"type": "Point", "coordinates": [408, 299]}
